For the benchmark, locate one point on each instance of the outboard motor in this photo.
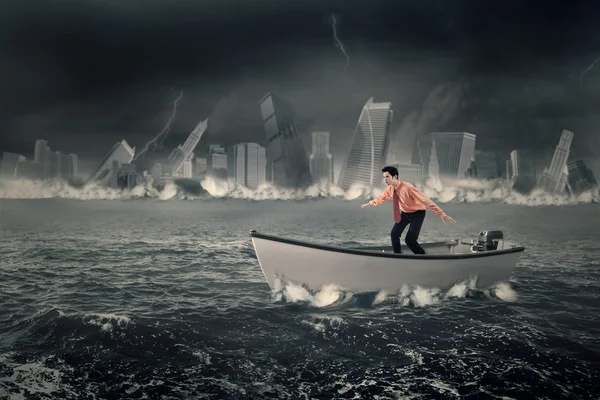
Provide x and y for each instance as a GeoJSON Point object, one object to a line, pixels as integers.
{"type": "Point", "coordinates": [488, 240]}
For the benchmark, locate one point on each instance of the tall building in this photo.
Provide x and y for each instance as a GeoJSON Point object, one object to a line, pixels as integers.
{"type": "Point", "coordinates": [580, 178]}
{"type": "Point", "coordinates": [200, 166]}
{"type": "Point", "coordinates": [156, 173]}
{"type": "Point", "coordinates": [184, 152]}
{"type": "Point", "coordinates": [433, 169]}
{"type": "Point", "coordinates": [54, 164]}
{"type": "Point", "coordinates": [105, 174]}
{"type": "Point", "coordinates": [73, 165]}
{"type": "Point", "coordinates": [216, 162]}
{"type": "Point", "coordinates": [369, 146]}
{"type": "Point", "coordinates": [554, 179]}
{"type": "Point", "coordinates": [40, 157]}
{"type": "Point", "coordinates": [321, 161]}
{"type": "Point", "coordinates": [246, 164]}
{"type": "Point", "coordinates": [488, 165]}
{"type": "Point", "coordinates": [187, 167]}
{"type": "Point", "coordinates": [261, 166]}
{"type": "Point", "coordinates": [454, 152]}
{"type": "Point", "coordinates": [411, 173]}
{"type": "Point", "coordinates": [523, 175]}
{"type": "Point", "coordinates": [236, 163]}
{"type": "Point", "coordinates": [126, 176]}
{"type": "Point", "coordinates": [27, 169]}
{"type": "Point", "coordinates": [286, 156]}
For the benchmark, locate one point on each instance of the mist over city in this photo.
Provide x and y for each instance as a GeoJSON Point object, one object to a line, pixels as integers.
{"type": "Point", "coordinates": [104, 72]}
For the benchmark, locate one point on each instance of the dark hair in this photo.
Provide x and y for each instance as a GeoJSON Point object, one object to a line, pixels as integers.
{"type": "Point", "coordinates": [392, 170]}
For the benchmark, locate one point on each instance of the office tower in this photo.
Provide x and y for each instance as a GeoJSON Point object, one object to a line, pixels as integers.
{"type": "Point", "coordinates": [454, 153]}
{"type": "Point", "coordinates": [523, 170]}
{"type": "Point", "coordinates": [185, 151]}
{"type": "Point", "coordinates": [580, 177]}
{"type": "Point", "coordinates": [126, 176]}
{"type": "Point", "coordinates": [286, 155]}
{"type": "Point", "coordinates": [246, 164]}
{"type": "Point", "coordinates": [200, 166]}
{"type": "Point", "coordinates": [369, 146]}
{"type": "Point", "coordinates": [105, 174]}
{"type": "Point", "coordinates": [27, 169]}
{"type": "Point", "coordinates": [73, 165]}
{"type": "Point", "coordinates": [411, 173]}
{"type": "Point", "coordinates": [261, 167]}
{"type": "Point", "coordinates": [41, 157]}
{"type": "Point", "coordinates": [488, 165]}
{"type": "Point", "coordinates": [186, 168]}
{"type": "Point", "coordinates": [54, 164]}
{"type": "Point", "coordinates": [554, 179]}
{"type": "Point", "coordinates": [216, 162]}
{"type": "Point", "coordinates": [321, 161]}
{"type": "Point", "coordinates": [433, 170]}
{"type": "Point", "coordinates": [236, 163]}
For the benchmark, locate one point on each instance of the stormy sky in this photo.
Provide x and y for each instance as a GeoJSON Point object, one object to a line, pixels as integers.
{"type": "Point", "coordinates": [84, 74]}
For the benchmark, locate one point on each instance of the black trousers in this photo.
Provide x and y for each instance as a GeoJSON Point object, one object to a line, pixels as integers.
{"type": "Point", "coordinates": [415, 220]}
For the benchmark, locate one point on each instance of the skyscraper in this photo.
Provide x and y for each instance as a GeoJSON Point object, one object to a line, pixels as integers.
{"type": "Point", "coordinates": [523, 170]}
{"type": "Point", "coordinates": [120, 153]}
{"type": "Point", "coordinates": [40, 156]}
{"type": "Point", "coordinates": [256, 165]}
{"type": "Point", "coordinates": [186, 167]}
{"type": "Point", "coordinates": [369, 146]}
{"type": "Point", "coordinates": [433, 169]}
{"type": "Point", "coordinates": [246, 164]}
{"type": "Point", "coordinates": [411, 173]}
{"type": "Point", "coordinates": [554, 179]}
{"type": "Point", "coordinates": [200, 166]}
{"type": "Point", "coordinates": [321, 161]}
{"type": "Point", "coordinates": [454, 152]}
{"type": "Point", "coordinates": [216, 162]}
{"type": "Point", "coordinates": [66, 167]}
{"type": "Point", "coordinates": [286, 155]}
{"type": "Point", "coordinates": [581, 178]}
{"type": "Point", "coordinates": [488, 165]}
{"type": "Point", "coordinates": [184, 152]}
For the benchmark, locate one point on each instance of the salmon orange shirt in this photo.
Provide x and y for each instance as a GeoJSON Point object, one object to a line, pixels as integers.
{"type": "Point", "coordinates": [410, 199]}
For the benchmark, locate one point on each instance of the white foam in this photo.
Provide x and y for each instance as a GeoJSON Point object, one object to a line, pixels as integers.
{"type": "Point", "coordinates": [107, 322]}
{"type": "Point", "coordinates": [294, 293]}
{"type": "Point", "coordinates": [32, 378]}
{"type": "Point", "coordinates": [465, 190]}
{"type": "Point", "coordinates": [504, 292]}
{"type": "Point", "coordinates": [416, 296]}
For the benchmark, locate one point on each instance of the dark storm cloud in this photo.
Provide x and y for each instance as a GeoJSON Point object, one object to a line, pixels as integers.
{"type": "Point", "coordinates": [84, 74]}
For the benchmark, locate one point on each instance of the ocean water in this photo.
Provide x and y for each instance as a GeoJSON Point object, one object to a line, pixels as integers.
{"type": "Point", "coordinates": [145, 298]}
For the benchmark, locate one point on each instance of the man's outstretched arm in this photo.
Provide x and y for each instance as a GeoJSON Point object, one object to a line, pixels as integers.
{"type": "Point", "coordinates": [380, 199]}
{"type": "Point", "coordinates": [417, 194]}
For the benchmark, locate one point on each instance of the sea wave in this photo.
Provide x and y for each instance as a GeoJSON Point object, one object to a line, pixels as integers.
{"type": "Point", "coordinates": [467, 191]}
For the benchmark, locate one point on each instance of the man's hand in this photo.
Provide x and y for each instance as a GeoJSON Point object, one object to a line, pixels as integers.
{"type": "Point", "coordinates": [445, 217]}
{"type": "Point", "coordinates": [365, 205]}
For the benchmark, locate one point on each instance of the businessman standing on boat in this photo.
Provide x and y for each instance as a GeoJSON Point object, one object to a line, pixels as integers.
{"type": "Point", "coordinates": [412, 202]}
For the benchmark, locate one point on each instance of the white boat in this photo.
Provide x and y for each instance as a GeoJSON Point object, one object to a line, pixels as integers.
{"type": "Point", "coordinates": [489, 259]}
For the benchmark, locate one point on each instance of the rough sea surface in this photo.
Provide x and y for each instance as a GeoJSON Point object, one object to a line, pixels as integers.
{"type": "Point", "coordinates": [143, 298]}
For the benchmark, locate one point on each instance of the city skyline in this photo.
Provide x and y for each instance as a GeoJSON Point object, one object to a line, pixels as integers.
{"type": "Point", "coordinates": [440, 77]}
{"type": "Point", "coordinates": [246, 163]}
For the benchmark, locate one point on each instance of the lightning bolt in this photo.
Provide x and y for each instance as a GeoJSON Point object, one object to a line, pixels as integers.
{"type": "Point", "coordinates": [338, 43]}
{"type": "Point", "coordinates": [588, 69]}
{"type": "Point", "coordinates": [165, 132]}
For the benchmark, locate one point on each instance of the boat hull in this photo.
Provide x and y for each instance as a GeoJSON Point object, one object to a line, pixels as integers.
{"type": "Point", "coordinates": [366, 271]}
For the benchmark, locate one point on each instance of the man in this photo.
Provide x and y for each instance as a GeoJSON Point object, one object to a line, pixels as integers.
{"type": "Point", "coordinates": [412, 203]}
